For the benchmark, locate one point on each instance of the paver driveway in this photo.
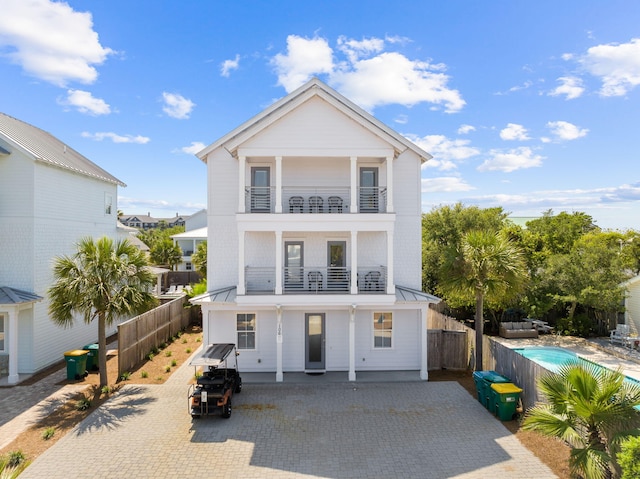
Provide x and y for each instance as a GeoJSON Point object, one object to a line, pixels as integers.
{"type": "Point", "coordinates": [330, 430]}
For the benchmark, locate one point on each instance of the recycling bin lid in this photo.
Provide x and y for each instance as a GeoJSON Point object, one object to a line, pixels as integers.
{"type": "Point", "coordinates": [91, 346]}
{"type": "Point", "coordinates": [494, 377]}
{"type": "Point", "coordinates": [76, 352]}
{"type": "Point", "coordinates": [505, 388]}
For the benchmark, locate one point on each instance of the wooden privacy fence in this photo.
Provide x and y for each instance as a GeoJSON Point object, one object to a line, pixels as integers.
{"type": "Point", "coordinates": [447, 349]}
{"type": "Point", "coordinates": [140, 335]}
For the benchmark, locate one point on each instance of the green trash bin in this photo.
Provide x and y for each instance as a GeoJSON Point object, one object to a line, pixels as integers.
{"type": "Point", "coordinates": [76, 363]}
{"type": "Point", "coordinates": [92, 357]}
{"type": "Point", "coordinates": [484, 380]}
{"type": "Point", "coordinates": [504, 400]}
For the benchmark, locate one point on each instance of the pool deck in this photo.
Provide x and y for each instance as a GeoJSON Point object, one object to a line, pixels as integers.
{"type": "Point", "coordinates": [597, 350]}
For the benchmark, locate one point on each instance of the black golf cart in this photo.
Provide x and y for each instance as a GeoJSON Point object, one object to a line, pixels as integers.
{"type": "Point", "coordinates": [217, 383]}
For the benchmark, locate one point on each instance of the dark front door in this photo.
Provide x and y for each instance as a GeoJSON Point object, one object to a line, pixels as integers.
{"type": "Point", "coordinates": [260, 189]}
{"type": "Point", "coordinates": [314, 329]}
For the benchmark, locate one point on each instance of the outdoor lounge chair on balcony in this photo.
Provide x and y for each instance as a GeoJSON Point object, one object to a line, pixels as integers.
{"type": "Point", "coordinates": [315, 280]}
{"type": "Point", "coordinates": [335, 204]}
{"type": "Point", "coordinates": [315, 204]}
{"type": "Point", "coordinates": [296, 204]}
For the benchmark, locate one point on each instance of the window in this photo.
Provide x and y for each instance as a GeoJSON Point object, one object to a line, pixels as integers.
{"type": "Point", "coordinates": [246, 328]}
{"type": "Point", "coordinates": [108, 204]}
{"type": "Point", "coordinates": [2, 326]}
{"type": "Point", "coordinates": [187, 266]}
{"type": "Point", "coordinates": [382, 330]}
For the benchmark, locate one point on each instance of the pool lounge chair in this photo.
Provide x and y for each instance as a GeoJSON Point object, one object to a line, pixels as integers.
{"type": "Point", "coordinates": [620, 335]}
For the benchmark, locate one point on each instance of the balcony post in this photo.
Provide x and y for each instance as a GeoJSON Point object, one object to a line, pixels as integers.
{"type": "Point", "coordinates": [278, 208]}
{"type": "Point", "coordinates": [279, 375]}
{"type": "Point", "coordinates": [353, 207]}
{"type": "Point", "coordinates": [389, 162]}
{"type": "Point", "coordinates": [241, 278]}
{"type": "Point", "coordinates": [352, 343]}
{"type": "Point", "coordinates": [390, 281]}
{"type": "Point", "coordinates": [424, 373]}
{"type": "Point", "coordinates": [242, 165]}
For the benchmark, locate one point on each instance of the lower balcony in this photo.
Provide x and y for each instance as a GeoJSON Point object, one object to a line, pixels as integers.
{"type": "Point", "coordinates": [316, 280]}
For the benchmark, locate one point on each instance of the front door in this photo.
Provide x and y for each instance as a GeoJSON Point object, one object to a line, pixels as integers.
{"type": "Point", "coordinates": [314, 329]}
{"type": "Point", "coordinates": [337, 275]}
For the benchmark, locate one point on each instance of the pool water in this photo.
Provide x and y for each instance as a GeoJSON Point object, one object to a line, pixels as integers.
{"type": "Point", "coordinates": [549, 358]}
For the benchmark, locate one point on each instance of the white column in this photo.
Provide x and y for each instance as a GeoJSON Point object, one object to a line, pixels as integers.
{"type": "Point", "coordinates": [354, 262]}
{"type": "Point", "coordinates": [205, 324]}
{"type": "Point", "coordinates": [278, 184]}
{"type": "Point", "coordinates": [354, 185]}
{"type": "Point", "coordinates": [242, 165]}
{"type": "Point", "coordinates": [391, 287]}
{"type": "Point", "coordinates": [352, 343]}
{"type": "Point", "coordinates": [279, 373]}
{"type": "Point", "coordinates": [278, 288]}
{"type": "Point", "coordinates": [241, 279]}
{"type": "Point", "coordinates": [13, 345]}
{"type": "Point", "coordinates": [389, 184]}
{"type": "Point", "coordinates": [424, 373]}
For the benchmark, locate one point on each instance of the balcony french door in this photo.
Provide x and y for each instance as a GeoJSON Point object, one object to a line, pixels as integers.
{"type": "Point", "coordinates": [337, 274]}
{"type": "Point", "coordinates": [294, 265]}
{"type": "Point", "coordinates": [260, 189]}
{"type": "Point", "coordinates": [369, 202]}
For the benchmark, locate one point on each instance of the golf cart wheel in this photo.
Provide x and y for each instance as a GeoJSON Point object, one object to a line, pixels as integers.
{"type": "Point", "coordinates": [195, 416]}
{"type": "Point", "coordinates": [238, 388]}
{"type": "Point", "coordinates": [226, 409]}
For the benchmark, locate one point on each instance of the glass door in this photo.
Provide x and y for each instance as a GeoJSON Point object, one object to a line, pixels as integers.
{"type": "Point", "coordinates": [293, 265]}
{"type": "Point", "coordinates": [368, 190]}
{"type": "Point", "coordinates": [314, 329]}
{"type": "Point", "coordinates": [260, 189]}
{"type": "Point", "coordinates": [337, 274]}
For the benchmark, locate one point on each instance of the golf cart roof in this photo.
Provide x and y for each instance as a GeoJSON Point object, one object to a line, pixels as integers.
{"type": "Point", "coordinates": [213, 354]}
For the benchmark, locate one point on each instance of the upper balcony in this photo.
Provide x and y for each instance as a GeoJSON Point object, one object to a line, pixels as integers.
{"type": "Point", "coordinates": [315, 200]}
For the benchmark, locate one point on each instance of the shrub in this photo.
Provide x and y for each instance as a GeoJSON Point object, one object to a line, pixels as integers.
{"type": "Point", "coordinates": [15, 458]}
{"type": "Point", "coordinates": [48, 433]}
{"type": "Point", "coordinates": [125, 376]}
{"type": "Point", "coordinates": [188, 350]}
{"type": "Point", "coordinates": [167, 369]}
{"type": "Point", "coordinates": [167, 354]}
{"type": "Point", "coordinates": [174, 363]}
{"type": "Point", "coordinates": [629, 458]}
{"type": "Point", "coordinates": [144, 374]}
{"type": "Point", "coordinates": [83, 404]}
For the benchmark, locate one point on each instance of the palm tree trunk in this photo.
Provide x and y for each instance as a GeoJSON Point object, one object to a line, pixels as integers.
{"type": "Point", "coordinates": [479, 323]}
{"type": "Point", "coordinates": [102, 349]}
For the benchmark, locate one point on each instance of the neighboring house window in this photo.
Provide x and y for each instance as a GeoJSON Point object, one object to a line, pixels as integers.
{"type": "Point", "coordinates": [187, 266]}
{"type": "Point", "coordinates": [246, 327]}
{"type": "Point", "coordinates": [382, 330]}
{"type": "Point", "coordinates": [2, 347]}
{"type": "Point", "coordinates": [108, 204]}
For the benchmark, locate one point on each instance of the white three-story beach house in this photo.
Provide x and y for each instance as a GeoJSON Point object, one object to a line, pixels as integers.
{"type": "Point", "coordinates": [314, 240]}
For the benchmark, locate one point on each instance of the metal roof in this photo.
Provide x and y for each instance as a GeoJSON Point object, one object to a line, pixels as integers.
{"type": "Point", "coordinates": [226, 295]}
{"type": "Point", "coordinates": [16, 296]}
{"type": "Point", "coordinates": [46, 148]}
{"type": "Point", "coordinates": [406, 295]}
{"type": "Point", "coordinates": [213, 355]}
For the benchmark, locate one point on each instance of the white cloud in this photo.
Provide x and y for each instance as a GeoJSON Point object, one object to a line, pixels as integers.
{"type": "Point", "coordinates": [229, 65]}
{"type": "Point", "coordinates": [193, 148]}
{"type": "Point", "coordinates": [86, 103]}
{"type": "Point", "coordinates": [511, 160]}
{"type": "Point", "coordinates": [617, 65]}
{"type": "Point", "coordinates": [445, 152]}
{"type": "Point", "coordinates": [177, 106]}
{"type": "Point", "coordinates": [368, 75]}
{"type": "Point", "coordinates": [51, 41]}
{"type": "Point", "coordinates": [445, 184]}
{"type": "Point", "coordinates": [513, 131]}
{"type": "Point", "coordinates": [464, 129]}
{"type": "Point", "coordinates": [305, 58]}
{"type": "Point", "coordinates": [114, 137]}
{"type": "Point", "coordinates": [565, 131]}
{"type": "Point", "coordinates": [571, 87]}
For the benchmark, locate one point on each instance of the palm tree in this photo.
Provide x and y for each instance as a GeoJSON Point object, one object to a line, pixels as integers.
{"type": "Point", "coordinates": [485, 265]}
{"type": "Point", "coordinates": [165, 252]}
{"type": "Point", "coordinates": [591, 408]}
{"type": "Point", "coordinates": [199, 258]}
{"type": "Point", "coordinates": [103, 280]}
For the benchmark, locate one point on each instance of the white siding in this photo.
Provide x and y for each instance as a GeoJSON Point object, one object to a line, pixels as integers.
{"type": "Point", "coordinates": [632, 304]}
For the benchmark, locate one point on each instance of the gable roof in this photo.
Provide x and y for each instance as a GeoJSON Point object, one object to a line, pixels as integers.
{"type": "Point", "coordinates": [312, 88]}
{"type": "Point", "coordinates": [16, 296]}
{"type": "Point", "coordinates": [45, 148]}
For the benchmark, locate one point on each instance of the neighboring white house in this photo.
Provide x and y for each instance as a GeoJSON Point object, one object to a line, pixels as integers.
{"type": "Point", "coordinates": [196, 220]}
{"type": "Point", "coordinates": [50, 197]}
{"type": "Point", "coordinates": [314, 240]}
{"type": "Point", "coordinates": [632, 303]}
{"type": "Point", "coordinates": [188, 242]}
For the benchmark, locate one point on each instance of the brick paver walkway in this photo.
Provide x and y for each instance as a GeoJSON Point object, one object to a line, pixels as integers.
{"type": "Point", "coordinates": [330, 430]}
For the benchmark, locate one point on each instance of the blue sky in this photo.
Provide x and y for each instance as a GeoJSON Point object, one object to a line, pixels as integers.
{"type": "Point", "coordinates": [526, 105]}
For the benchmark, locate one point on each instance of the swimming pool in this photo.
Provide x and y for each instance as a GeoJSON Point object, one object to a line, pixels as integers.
{"type": "Point", "coordinates": [548, 357]}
